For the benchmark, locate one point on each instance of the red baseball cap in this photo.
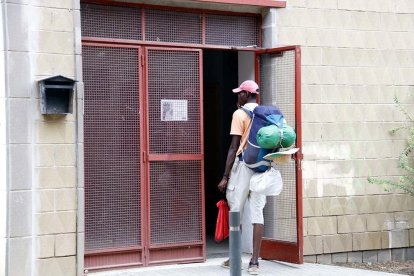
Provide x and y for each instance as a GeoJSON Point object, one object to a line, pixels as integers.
{"type": "Point", "coordinates": [249, 86]}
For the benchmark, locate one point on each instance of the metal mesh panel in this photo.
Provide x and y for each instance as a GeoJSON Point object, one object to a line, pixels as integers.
{"type": "Point", "coordinates": [174, 98]}
{"type": "Point", "coordinates": [107, 21]}
{"type": "Point", "coordinates": [111, 22]}
{"type": "Point", "coordinates": [112, 159]}
{"type": "Point", "coordinates": [173, 26]}
{"type": "Point", "coordinates": [277, 82]}
{"type": "Point", "coordinates": [232, 30]}
{"type": "Point", "coordinates": [176, 211]}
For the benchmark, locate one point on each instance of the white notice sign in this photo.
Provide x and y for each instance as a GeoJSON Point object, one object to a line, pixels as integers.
{"type": "Point", "coordinates": [174, 110]}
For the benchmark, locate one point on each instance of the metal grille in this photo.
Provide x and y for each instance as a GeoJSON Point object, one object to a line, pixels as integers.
{"type": "Point", "coordinates": [174, 98]}
{"type": "Point", "coordinates": [277, 81]}
{"type": "Point", "coordinates": [175, 197]}
{"type": "Point", "coordinates": [111, 22]}
{"type": "Point", "coordinates": [112, 159]}
{"type": "Point", "coordinates": [173, 26]}
{"type": "Point", "coordinates": [232, 30]}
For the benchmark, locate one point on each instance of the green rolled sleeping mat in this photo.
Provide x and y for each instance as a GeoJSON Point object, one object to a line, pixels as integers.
{"type": "Point", "coordinates": [289, 136]}
{"type": "Point", "coordinates": [271, 137]}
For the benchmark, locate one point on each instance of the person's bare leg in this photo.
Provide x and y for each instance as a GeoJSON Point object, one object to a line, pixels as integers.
{"type": "Point", "coordinates": [257, 241]}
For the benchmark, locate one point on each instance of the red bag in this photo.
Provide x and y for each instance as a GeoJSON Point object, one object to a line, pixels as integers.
{"type": "Point", "coordinates": [222, 225]}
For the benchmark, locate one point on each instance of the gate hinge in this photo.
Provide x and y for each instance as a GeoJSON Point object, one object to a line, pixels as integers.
{"type": "Point", "coordinates": [298, 157]}
{"type": "Point", "coordinates": [145, 253]}
{"type": "Point", "coordinates": [142, 60]}
{"type": "Point", "coordinates": [144, 156]}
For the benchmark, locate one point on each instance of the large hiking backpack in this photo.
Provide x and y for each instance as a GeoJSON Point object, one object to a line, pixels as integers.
{"type": "Point", "coordinates": [266, 136]}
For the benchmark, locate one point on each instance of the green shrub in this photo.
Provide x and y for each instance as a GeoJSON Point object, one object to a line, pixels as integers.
{"type": "Point", "coordinates": [405, 182]}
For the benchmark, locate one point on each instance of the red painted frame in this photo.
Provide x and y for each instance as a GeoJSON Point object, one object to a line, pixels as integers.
{"type": "Point", "coordinates": [173, 157]}
{"type": "Point", "coordinates": [279, 250]}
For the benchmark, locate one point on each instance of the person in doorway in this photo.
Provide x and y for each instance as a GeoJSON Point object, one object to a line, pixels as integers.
{"type": "Point", "coordinates": [236, 178]}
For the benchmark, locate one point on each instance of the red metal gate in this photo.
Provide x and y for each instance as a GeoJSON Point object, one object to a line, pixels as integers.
{"type": "Point", "coordinates": [278, 71]}
{"type": "Point", "coordinates": [143, 156]}
{"type": "Point", "coordinates": [175, 155]}
{"type": "Point", "coordinates": [113, 205]}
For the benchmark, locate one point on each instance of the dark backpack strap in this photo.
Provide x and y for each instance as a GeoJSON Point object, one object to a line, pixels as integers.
{"type": "Point", "coordinates": [250, 113]}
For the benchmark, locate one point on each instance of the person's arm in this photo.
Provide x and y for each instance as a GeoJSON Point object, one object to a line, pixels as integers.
{"type": "Point", "coordinates": [231, 155]}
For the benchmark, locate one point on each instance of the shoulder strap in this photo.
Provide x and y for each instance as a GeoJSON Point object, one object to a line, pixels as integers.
{"type": "Point", "coordinates": [249, 112]}
{"type": "Point", "coordinates": [251, 115]}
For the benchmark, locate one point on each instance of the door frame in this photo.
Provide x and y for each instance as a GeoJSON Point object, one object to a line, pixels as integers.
{"type": "Point", "coordinates": [146, 158]}
{"type": "Point", "coordinates": [273, 249]}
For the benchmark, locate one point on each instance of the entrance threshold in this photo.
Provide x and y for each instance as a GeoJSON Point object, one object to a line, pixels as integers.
{"type": "Point", "coordinates": [212, 266]}
{"type": "Point", "coordinates": [217, 250]}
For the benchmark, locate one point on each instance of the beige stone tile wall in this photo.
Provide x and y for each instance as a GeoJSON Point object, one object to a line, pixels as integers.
{"type": "Point", "coordinates": [55, 151]}
{"type": "Point", "coordinates": [356, 55]}
{"type": "Point", "coordinates": [42, 155]}
{"type": "Point", "coordinates": [3, 152]}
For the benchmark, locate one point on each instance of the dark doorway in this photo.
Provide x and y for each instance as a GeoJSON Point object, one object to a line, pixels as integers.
{"type": "Point", "coordinates": [220, 77]}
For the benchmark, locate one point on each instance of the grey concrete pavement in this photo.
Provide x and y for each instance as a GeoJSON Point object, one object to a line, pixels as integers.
{"type": "Point", "coordinates": [267, 268]}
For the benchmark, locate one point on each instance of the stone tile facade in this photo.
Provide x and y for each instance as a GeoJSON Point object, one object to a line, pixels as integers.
{"type": "Point", "coordinates": [40, 236]}
{"type": "Point", "coordinates": [356, 55]}
{"type": "Point", "coordinates": [368, 256]}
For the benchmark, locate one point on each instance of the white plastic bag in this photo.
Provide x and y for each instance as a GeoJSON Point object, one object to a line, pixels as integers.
{"type": "Point", "coordinates": [267, 183]}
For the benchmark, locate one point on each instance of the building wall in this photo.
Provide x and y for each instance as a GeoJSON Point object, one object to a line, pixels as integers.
{"type": "Point", "coordinates": [3, 151]}
{"type": "Point", "coordinates": [41, 157]}
{"type": "Point", "coordinates": [356, 55]}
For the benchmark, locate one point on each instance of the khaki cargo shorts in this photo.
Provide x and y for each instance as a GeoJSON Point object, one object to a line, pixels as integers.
{"type": "Point", "coordinates": [238, 191]}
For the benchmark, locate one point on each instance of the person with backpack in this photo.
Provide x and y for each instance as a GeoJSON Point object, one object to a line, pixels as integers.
{"type": "Point", "coordinates": [236, 177]}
